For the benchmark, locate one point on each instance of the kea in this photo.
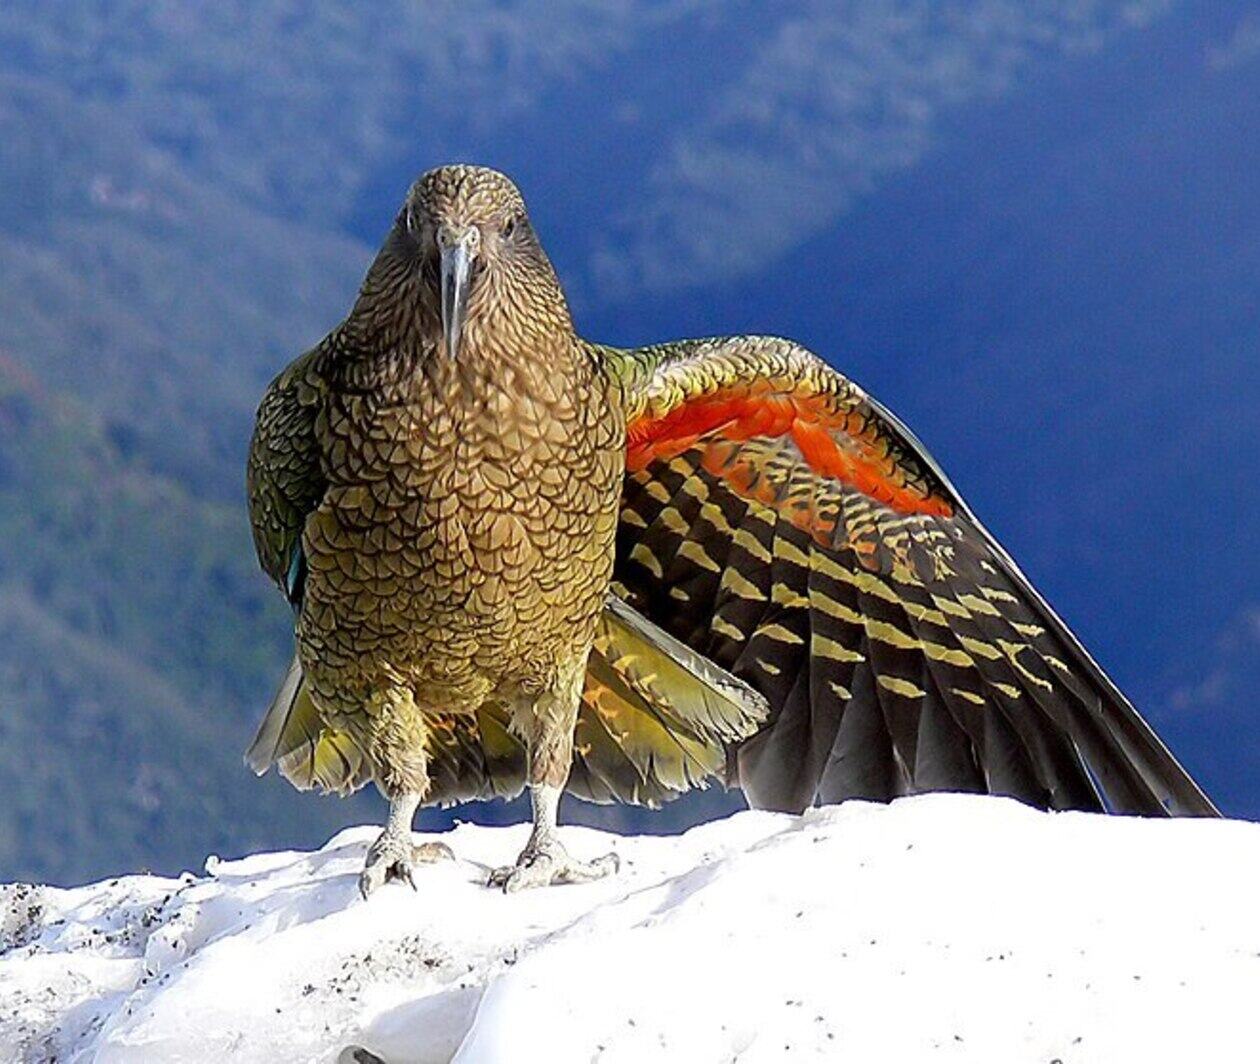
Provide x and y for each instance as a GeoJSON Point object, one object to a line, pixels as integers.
{"type": "Point", "coordinates": [521, 559]}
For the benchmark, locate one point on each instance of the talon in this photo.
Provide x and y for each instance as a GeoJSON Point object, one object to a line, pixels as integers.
{"type": "Point", "coordinates": [548, 866]}
{"type": "Point", "coordinates": [392, 857]}
{"type": "Point", "coordinates": [372, 877]}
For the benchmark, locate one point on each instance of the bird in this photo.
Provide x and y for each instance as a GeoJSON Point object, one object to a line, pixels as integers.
{"type": "Point", "coordinates": [520, 560]}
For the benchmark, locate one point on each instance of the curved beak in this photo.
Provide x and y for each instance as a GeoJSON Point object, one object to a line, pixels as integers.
{"type": "Point", "coordinates": [457, 253]}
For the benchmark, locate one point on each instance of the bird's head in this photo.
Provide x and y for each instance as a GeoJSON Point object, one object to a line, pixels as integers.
{"type": "Point", "coordinates": [463, 232]}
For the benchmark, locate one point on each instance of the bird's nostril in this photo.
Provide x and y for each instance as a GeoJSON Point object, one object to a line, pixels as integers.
{"type": "Point", "coordinates": [449, 236]}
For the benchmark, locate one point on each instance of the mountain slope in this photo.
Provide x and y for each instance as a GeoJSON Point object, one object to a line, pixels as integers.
{"type": "Point", "coordinates": [138, 645]}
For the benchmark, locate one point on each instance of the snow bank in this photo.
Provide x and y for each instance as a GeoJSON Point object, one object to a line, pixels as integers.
{"type": "Point", "coordinates": [947, 927]}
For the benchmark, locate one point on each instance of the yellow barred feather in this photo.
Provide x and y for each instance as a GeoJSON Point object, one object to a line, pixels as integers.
{"type": "Point", "coordinates": [832, 566]}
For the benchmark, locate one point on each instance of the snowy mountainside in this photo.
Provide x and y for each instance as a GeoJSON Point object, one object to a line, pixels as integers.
{"type": "Point", "coordinates": [946, 927]}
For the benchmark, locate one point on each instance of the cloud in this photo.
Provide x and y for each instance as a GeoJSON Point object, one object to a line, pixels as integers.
{"type": "Point", "coordinates": [815, 104]}
{"type": "Point", "coordinates": [1242, 47]}
{"type": "Point", "coordinates": [839, 97]}
{"type": "Point", "coordinates": [1231, 669]}
{"type": "Point", "coordinates": [292, 106]}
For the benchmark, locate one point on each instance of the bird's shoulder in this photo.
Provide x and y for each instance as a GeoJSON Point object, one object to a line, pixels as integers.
{"type": "Point", "coordinates": [303, 383]}
{"type": "Point", "coordinates": [680, 369]}
{"type": "Point", "coordinates": [283, 476]}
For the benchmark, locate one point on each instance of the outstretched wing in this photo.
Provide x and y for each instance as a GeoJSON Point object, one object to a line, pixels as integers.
{"type": "Point", "coordinates": [779, 521]}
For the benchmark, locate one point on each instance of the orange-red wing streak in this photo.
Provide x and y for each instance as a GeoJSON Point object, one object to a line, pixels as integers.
{"type": "Point", "coordinates": [843, 444]}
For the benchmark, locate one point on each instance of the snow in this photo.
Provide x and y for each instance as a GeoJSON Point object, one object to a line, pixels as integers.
{"type": "Point", "coordinates": [946, 927]}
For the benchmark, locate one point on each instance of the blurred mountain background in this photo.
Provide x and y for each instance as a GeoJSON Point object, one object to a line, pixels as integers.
{"type": "Point", "coordinates": [1032, 227]}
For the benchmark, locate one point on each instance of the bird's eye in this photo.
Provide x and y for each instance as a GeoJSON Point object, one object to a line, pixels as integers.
{"type": "Point", "coordinates": [409, 220]}
{"type": "Point", "coordinates": [509, 227]}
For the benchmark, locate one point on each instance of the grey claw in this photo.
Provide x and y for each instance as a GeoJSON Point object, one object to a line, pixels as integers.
{"type": "Point", "coordinates": [393, 857]}
{"type": "Point", "coordinates": [549, 866]}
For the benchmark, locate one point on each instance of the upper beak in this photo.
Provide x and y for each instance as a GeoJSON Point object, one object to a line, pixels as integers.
{"type": "Point", "coordinates": [457, 253]}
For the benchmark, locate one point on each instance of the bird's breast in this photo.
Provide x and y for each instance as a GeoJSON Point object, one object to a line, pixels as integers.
{"type": "Point", "coordinates": [466, 538]}
{"type": "Point", "coordinates": [489, 473]}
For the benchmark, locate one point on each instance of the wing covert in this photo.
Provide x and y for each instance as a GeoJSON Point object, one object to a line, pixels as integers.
{"type": "Point", "coordinates": [283, 477]}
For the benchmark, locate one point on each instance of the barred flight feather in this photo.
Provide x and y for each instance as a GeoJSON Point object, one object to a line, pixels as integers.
{"type": "Point", "coordinates": [828, 562]}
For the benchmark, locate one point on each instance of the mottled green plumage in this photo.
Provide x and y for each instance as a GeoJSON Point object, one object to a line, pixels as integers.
{"type": "Point", "coordinates": [449, 528]}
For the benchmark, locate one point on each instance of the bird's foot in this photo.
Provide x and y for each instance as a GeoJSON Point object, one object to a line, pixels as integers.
{"type": "Point", "coordinates": [394, 856]}
{"type": "Point", "coordinates": [542, 864]}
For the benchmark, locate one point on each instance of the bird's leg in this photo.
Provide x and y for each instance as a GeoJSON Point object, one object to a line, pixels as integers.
{"type": "Point", "coordinates": [548, 726]}
{"type": "Point", "coordinates": [389, 857]}
{"type": "Point", "coordinates": [545, 861]}
{"type": "Point", "coordinates": [393, 855]}
{"type": "Point", "coordinates": [398, 739]}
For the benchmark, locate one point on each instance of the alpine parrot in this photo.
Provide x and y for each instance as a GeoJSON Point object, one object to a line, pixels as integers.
{"type": "Point", "coordinates": [519, 558]}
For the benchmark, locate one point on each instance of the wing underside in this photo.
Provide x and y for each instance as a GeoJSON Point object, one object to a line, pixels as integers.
{"type": "Point", "coordinates": [781, 523]}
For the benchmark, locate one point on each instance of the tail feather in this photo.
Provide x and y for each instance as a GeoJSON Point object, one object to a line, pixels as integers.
{"type": "Point", "coordinates": [656, 716]}
{"type": "Point", "coordinates": [307, 753]}
{"type": "Point", "coordinates": [680, 681]}
{"type": "Point", "coordinates": [656, 719]}
{"type": "Point", "coordinates": [262, 752]}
